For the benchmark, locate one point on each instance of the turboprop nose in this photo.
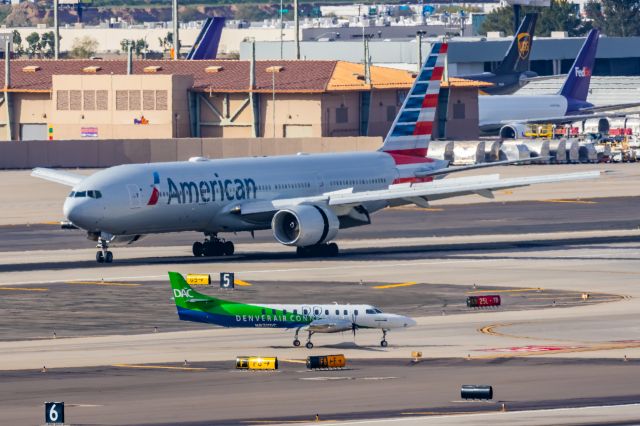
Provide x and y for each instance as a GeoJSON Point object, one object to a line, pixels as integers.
{"type": "Point", "coordinates": [407, 322]}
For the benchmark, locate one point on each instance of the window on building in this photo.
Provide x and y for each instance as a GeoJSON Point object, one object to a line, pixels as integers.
{"type": "Point", "coordinates": [89, 100]}
{"type": "Point", "coordinates": [62, 100]}
{"type": "Point", "coordinates": [122, 100]}
{"type": "Point", "coordinates": [458, 111]}
{"type": "Point", "coordinates": [148, 100]}
{"type": "Point", "coordinates": [391, 113]}
{"type": "Point", "coordinates": [161, 100]}
{"type": "Point", "coordinates": [102, 100]}
{"type": "Point", "coordinates": [135, 100]}
{"type": "Point", "coordinates": [75, 100]}
{"type": "Point", "coordinates": [342, 115]}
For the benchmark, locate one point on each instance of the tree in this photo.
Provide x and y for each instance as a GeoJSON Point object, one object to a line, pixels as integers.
{"type": "Point", "coordinates": [561, 16]}
{"type": "Point", "coordinates": [140, 46]}
{"type": "Point", "coordinates": [33, 40]}
{"type": "Point", "coordinates": [615, 17]}
{"type": "Point", "coordinates": [84, 47]}
{"type": "Point", "coordinates": [47, 44]}
{"type": "Point", "coordinates": [124, 44]}
{"type": "Point", "coordinates": [18, 50]}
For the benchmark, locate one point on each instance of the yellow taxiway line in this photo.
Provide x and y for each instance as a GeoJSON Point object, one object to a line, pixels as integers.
{"type": "Point", "coordinates": [407, 284]}
{"type": "Point", "coordinates": [568, 201]}
{"type": "Point", "coordinates": [516, 290]}
{"type": "Point", "coordinates": [23, 289]}
{"type": "Point", "coordinates": [159, 367]}
{"type": "Point", "coordinates": [241, 283]}
{"type": "Point", "coordinates": [105, 283]}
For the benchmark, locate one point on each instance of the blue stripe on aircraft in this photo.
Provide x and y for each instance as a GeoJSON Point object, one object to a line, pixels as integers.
{"type": "Point", "coordinates": [425, 75]}
{"type": "Point", "coordinates": [414, 102]}
{"type": "Point", "coordinates": [420, 89]}
{"type": "Point", "coordinates": [431, 62]}
{"type": "Point", "coordinates": [409, 116]}
{"type": "Point", "coordinates": [403, 130]}
{"type": "Point", "coordinates": [230, 320]}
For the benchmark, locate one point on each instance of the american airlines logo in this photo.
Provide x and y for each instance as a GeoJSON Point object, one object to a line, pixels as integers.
{"type": "Point", "coordinates": [204, 191]}
{"type": "Point", "coordinates": [583, 72]}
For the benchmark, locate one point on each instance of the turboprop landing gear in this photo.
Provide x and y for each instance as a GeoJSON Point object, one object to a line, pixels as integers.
{"type": "Point", "coordinates": [104, 255]}
{"type": "Point", "coordinates": [384, 343]}
{"type": "Point", "coordinates": [318, 250]}
{"type": "Point", "coordinates": [309, 345]}
{"type": "Point", "coordinates": [296, 342]}
{"type": "Point", "coordinates": [213, 246]}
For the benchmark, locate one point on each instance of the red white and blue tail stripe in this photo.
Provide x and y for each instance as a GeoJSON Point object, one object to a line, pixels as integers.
{"type": "Point", "coordinates": [411, 130]}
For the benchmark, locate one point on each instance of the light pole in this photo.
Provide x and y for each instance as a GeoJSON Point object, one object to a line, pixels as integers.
{"type": "Point", "coordinates": [281, 35]}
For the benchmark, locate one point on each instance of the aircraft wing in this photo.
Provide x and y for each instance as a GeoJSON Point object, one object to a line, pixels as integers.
{"type": "Point", "coordinates": [57, 176]}
{"type": "Point", "coordinates": [456, 169]}
{"type": "Point", "coordinates": [329, 325]}
{"type": "Point", "coordinates": [417, 193]}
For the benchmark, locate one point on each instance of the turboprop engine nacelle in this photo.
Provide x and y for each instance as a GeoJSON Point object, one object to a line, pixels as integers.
{"type": "Point", "coordinates": [304, 225]}
{"type": "Point", "coordinates": [513, 131]}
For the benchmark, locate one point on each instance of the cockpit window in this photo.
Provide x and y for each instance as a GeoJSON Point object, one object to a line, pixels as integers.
{"type": "Point", "coordinates": [94, 194]}
{"type": "Point", "coordinates": [378, 311]}
{"type": "Point", "coordinates": [80, 194]}
{"type": "Point", "coordinates": [72, 194]}
{"type": "Point", "coordinates": [371, 311]}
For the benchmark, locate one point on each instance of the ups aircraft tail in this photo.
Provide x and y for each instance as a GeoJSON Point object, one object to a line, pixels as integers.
{"type": "Point", "coordinates": [517, 57]}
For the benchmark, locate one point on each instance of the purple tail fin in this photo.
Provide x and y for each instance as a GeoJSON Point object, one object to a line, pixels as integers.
{"type": "Point", "coordinates": [576, 85]}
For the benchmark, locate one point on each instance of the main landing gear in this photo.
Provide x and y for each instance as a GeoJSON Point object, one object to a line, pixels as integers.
{"type": "Point", "coordinates": [318, 250]}
{"type": "Point", "coordinates": [103, 255]}
{"type": "Point", "coordinates": [296, 341]}
{"type": "Point", "coordinates": [213, 246]}
{"type": "Point", "coordinates": [384, 343]}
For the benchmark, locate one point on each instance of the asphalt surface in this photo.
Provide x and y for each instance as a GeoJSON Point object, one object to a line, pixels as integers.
{"type": "Point", "coordinates": [216, 394]}
{"type": "Point", "coordinates": [450, 220]}
{"type": "Point", "coordinates": [77, 309]}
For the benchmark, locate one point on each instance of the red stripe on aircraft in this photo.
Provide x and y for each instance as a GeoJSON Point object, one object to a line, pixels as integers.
{"type": "Point", "coordinates": [423, 128]}
{"type": "Point", "coordinates": [430, 101]}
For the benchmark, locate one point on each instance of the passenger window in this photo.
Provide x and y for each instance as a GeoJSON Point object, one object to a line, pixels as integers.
{"type": "Point", "coordinates": [305, 311]}
{"type": "Point", "coordinates": [273, 312]}
{"type": "Point", "coordinates": [345, 312]}
{"type": "Point", "coordinates": [355, 312]}
{"type": "Point", "coordinates": [316, 311]}
{"type": "Point", "coordinates": [264, 311]}
{"type": "Point", "coordinates": [284, 312]}
{"type": "Point", "coordinates": [326, 312]}
{"type": "Point", "coordinates": [337, 311]}
{"type": "Point", "coordinates": [295, 312]}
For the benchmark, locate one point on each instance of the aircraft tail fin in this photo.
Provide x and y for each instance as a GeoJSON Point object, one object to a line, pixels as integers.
{"type": "Point", "coordinates": [185, 296]}
{"type": "Point", "coordinates": [517, 57]}
{"type": "Point", "coordinates": [576, 84]}
{"type": "Point", "coordinates": [411, 130]}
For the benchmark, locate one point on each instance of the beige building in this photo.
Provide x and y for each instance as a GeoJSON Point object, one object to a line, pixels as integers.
{"type": "Point", "coordinates": [94, 100]}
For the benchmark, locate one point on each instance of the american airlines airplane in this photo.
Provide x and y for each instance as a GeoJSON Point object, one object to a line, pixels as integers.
{"type": "Point", "coordinates": [333, 318]}
{"type": "Point", "coordinates": [508, 115]}
{"type": "Point", "coordinates": [304, 199]}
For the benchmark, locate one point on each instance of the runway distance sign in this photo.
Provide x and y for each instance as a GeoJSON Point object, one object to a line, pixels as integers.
{"type": "Point", "coordinates": [483, 301]}
{"type": "Point", "coordinates": [227, 279]}
{"type": "Point", "coordinates": [198, 279]}
{"type": "Point", "coordinates": [54, 413]}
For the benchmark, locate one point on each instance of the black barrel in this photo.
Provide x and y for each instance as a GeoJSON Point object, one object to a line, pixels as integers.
{"type": "Point", "coordinates": [476, 392]}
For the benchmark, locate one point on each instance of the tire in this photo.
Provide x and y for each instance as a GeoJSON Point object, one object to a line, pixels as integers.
{"type": "Point", "coordinates": [309, 345]}
{"type": "Point", "coordinates": [384, 343]}
{"type": "Point", "coordinates": [108, 257]}
{"type": "Point", "coordinates": [296, 343]}
{"type": "Point", "coordinates": [99, 257]}
{"type": "Point", "coordinates": [302, 251]}
{"type": "Point", "coordinates": [332, 249]}
{"type": "Point", "coordinates": [198, 249]}
{"type": "Point", "coordinates": [228, 248]}
{"type": "Point", "coordinates": [212, 249]}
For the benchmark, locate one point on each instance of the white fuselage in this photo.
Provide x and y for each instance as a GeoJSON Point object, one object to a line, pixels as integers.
{"type": "Point", "coordinates": [203, 195]}
{"type": "Point", "coordinates": [495, 111]}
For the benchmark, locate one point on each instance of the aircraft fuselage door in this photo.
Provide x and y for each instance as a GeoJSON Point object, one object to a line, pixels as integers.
{"type": "Point", "coordinates": [135, 196]}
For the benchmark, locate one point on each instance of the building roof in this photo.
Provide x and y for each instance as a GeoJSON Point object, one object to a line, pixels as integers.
{"type": "Point", "coordinates": [216, 75]}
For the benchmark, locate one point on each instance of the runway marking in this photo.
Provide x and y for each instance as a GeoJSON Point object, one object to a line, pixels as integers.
{"type": "Point", "coordinates": [572, 349]}
{"type": "Point", "coordinates": [515, 290]}
{"type": "Point", "coordinates": [104, 283]}
{"type": "Point", "coordinates": [241, 283]}
{"type": "Point", "coordinates": [490, 329]}
{"type": "Point", "coordinates": [159, 367]}
{"type": "Point", "coordinates": [23, 289]}
{"type": "Point", "coordinates": [407, 284]}
{"type": "Point", "coordinates": [51, 222]}
{"type": "Point", "coordinates": [294, 361]}
{"type": "Point", "coordinates": [445, 413]}
{"type": "Point", "coordinates": [568, 201]}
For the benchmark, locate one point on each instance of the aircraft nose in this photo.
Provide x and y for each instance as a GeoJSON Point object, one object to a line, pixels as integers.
{"type": "Point", "coordinates": [408, 322]}
{"type": "Point", "coordinates": [80, 213]}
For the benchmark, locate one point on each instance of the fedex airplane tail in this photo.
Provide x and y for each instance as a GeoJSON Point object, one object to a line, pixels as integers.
{"type": "Point", "coordinates": [517, 57]}
{"type": "Point", "coordinates": [576, 85]}
{"type": "Point", "coordinates": [411, 131]}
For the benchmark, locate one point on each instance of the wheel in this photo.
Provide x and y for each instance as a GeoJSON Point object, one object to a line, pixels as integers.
{"type": "Point", "coordinates": [332, 249]}
{"type": "Point", "coordinates": [212, 248]}
{"type": "Point", "coordinates": [99, 257]}
{"type": "Point", "coordinates": [108, 258]}
{"type": "Point", "coordinates": [383, 343]}
{"type": "Point", "coordinates": [302, 251]}
{"type": "Point", "coordinates": [296, 343]}
{"type": "Point", "coordinates": [228, 248]}
{"type": "Point", "coordinates": [309, 345]}
{"type": "Point", "coordinates": [198, 249]}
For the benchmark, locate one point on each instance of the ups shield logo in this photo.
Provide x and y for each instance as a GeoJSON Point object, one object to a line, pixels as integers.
{"type": "Point", "coordinates": [524, 45]}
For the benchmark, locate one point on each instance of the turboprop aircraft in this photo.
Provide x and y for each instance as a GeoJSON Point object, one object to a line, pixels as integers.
{"type": "Point", "coordinates": [508, 115]}
{"type": "Point", "coordinates": [312, 318]}
{"type": "Point", "coordinates": [304, 199]}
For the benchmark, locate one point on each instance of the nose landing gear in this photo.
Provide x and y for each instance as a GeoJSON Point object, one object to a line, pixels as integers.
{"type": "Point", "coordinates": [213, 246]}
{"type": "Point", "coordinates": [384, 343]}
{"type": "Point", "coordinates": [103, 255]}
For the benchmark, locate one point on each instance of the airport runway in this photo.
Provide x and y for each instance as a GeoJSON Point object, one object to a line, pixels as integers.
{"type": "Point", "coordinates": [537, 353]}
{"type": "Point", "coordinates": [216, 394]}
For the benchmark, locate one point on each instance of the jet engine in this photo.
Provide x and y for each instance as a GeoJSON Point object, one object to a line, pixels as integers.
{"type": "Point", "coordinates": [304, 225]}
{"type": "Point", "coordinates": [512, 131]}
